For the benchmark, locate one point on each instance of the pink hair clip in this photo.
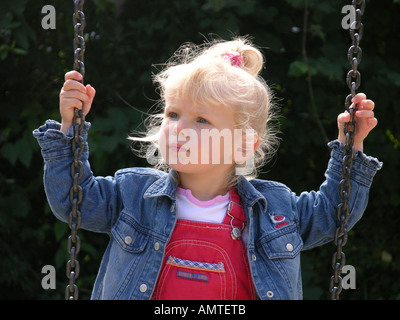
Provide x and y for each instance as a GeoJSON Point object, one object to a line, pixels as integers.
{"type": "Point", "coordinates": [234, 58]}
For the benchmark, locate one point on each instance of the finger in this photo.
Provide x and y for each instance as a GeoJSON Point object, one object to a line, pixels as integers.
{"type": "Point", "coordinates": [72, 103]}
{"type": "Point", "coordinates": [343, 118]}
{"type": "Point", "coordinates": [91, 92]}
{"type": "Point", "coordinates": [358, 98]}
{"type": "Point", "coordinates": [74, 94]}
{"type": "Point", "coordinates": [73, 75]}
{"type": "Point", "coordinates": [365, 114]}
{"type": "Point", "coordinates": [74, 85]}
{"type": "Point", "coordinates": [366, 105]}
{"type": "Point", "coordinates": [372, 123]}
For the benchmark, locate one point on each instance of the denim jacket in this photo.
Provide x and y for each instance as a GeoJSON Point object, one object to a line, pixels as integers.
{"type": "Point", "coordinates": [136, 208]}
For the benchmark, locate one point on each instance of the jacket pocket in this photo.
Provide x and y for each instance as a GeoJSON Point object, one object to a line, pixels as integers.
{"type": "Point", "coordinates": [129, 235]}
{"type": "Point", "coordinates": [196, 265]}
{"type": "Point", "coordinates": [280, 244]}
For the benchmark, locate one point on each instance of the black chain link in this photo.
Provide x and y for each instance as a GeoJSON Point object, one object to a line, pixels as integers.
{"type": "Point", "coordinates": [353, 81]}
{"type": "Point", "coordinates": [75, 194]}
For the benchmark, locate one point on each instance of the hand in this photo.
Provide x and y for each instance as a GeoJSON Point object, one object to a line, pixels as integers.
{"type": "Point", "coordinates": [364, 117]}
{"type": "Point", "coordinates": [72, 94]}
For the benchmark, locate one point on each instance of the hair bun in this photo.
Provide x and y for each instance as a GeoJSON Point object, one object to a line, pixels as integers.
{"type": "Point", "coordinates": [252, 60]}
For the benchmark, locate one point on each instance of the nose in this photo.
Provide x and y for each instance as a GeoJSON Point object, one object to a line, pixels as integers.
{"type": "Point", "coordinates": [181, 127]}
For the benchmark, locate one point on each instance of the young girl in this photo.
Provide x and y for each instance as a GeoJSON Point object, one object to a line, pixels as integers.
{"type": "Point", "coordinates": [202, 230]}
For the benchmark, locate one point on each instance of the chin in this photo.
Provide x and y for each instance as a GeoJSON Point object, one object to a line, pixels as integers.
{"type": "Point", "coordinates": [186, 168]}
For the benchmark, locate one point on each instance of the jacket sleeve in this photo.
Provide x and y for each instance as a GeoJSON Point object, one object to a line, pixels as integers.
{"type": "Point", "coordinates": [99, 207]}
{"type": "Point", "coordinates": [317, 211]}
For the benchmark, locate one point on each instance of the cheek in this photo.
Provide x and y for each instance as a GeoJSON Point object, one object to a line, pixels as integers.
{"type": "Point", "coordinates": [162, 139]}
{"type": "Point", "coordinates": [218, 148]}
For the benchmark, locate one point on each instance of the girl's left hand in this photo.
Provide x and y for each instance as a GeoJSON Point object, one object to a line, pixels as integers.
{"type": "Point", "coordinates": [365, 120]}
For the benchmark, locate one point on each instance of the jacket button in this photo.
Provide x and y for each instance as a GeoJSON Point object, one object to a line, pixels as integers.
{"type": "Point", "coordinates": [143, 288]}
{"type": "Point", "coordinates": [253, 257]}
{"type": "Point", "coordinates": [128, 240]}
{"type": "Point", "coordinates": [289, 247]}
{"type": "Point", "coordinates": [270, 294]}
{"type": "Point", "coordinates": [156, 246]}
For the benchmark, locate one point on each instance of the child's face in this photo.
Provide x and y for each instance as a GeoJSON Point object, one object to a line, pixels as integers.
{"type": "Point", "coordinates": [197, 139]}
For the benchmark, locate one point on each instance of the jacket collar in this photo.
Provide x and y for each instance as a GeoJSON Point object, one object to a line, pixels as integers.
{"type": "Point", "coordinates": [250, 195]}
{"type": "Point", "coordinates": [166, 186]}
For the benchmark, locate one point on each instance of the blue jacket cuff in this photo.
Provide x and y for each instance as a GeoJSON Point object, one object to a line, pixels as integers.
{"type": "Point", "coordinates": [364, 167]}
{"type": "Point", "coordinates": [56, 144]}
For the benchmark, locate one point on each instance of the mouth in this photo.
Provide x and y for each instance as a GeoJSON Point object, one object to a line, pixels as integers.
{"type": "Point", "coordinates": [177, 148]}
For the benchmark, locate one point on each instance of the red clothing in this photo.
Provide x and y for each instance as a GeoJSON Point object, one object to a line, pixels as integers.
{"type": "Point", "coordinates": [203, 261]}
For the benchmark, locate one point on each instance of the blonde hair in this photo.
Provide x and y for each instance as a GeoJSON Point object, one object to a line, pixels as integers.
{"type": "Point", "coordinates": [203, 74]}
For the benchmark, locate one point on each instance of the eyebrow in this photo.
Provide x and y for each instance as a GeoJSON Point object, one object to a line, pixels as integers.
{"type": "Point", "coordinates": [197, 110]}
{"type": "Point", "coordinates": [202, 111]}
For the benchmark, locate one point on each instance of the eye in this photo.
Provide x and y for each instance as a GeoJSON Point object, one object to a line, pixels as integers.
{"type": "Point", "coordinates": [172, 115]}
{"type": "Point", "coordinates": [202, 120]}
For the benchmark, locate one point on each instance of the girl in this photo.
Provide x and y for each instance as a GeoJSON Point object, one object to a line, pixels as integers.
{"type": "Point", "coordinates": [201, 230]}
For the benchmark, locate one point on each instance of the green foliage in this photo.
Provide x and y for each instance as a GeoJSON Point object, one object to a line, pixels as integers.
{"type": "Point", "coordinates": [126, 42]}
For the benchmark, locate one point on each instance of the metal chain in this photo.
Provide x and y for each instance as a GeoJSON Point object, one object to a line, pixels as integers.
{"type": "Point", "coordinates": [78, 145]}
{"type": "Point", "coordinates": [353, 81]}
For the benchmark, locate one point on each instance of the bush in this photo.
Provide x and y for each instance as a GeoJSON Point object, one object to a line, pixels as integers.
{"type": "Point", "coordinates": [125, 42]}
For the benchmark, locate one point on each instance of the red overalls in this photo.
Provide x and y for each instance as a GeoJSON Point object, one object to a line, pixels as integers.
{"type": "Point", "coordinates": [203, 261]}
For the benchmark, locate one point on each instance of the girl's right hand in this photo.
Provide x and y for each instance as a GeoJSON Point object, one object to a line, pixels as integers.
{"type": "Point", "coordinates": [72, 94]}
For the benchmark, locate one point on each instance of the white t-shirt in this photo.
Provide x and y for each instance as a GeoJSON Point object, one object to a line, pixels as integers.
{"type": "Point", "coordinates": [190, 208]}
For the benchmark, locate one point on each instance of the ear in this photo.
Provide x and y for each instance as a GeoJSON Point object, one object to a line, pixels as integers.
{"type": "Point", "coordinates": [245, 146]}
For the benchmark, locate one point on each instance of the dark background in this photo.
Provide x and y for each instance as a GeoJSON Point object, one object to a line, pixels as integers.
{"type": "Point", "coordinates": [126, 40]}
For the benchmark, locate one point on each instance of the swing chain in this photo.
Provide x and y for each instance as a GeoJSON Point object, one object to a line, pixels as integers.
{"type": "Point", "coordinates": [78, 146]}
{"type": "Point", "coordinates": [353, 81]}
